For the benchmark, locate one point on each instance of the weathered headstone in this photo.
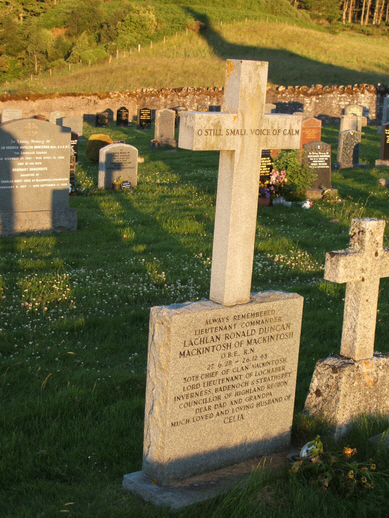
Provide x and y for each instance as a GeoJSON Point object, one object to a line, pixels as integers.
{"type": "Point", "coordinates": [102, 120]}
{"type": "Point", "coordinates": [348, 149]}
{"type": "Point", "coordinates": [384, 149]}
{"type": "Point", "coordinates": [210, 364]}
{"type": "Point", "coordinates": [34, 178]}
{"type": "Point", "coordinates": [310, 131]}
{"type": "Point", "coordinates": [122, 117]}
{"type": "Point", "coordinates": [177, 111]}
{"type": "Point", "coordinates": [349, 122]}
{"type": "Point", "coordinates": [56, 117]}
{"type": "Point", "coordinates": [165, 127]}
{"type": "Point", "coordinates": [10, 114]}
{"type": "Point", "coordinates": [74, 123]}
{"type": "Point", "coordinates": [317, 155]}
{"type": "Point", "coordinates": [202, 107]}
{"type": "Point", "coordinates": [357, 110]}
{"type": "Point", "coordinates": [356, 383]}
{"type": "Point", "coordinates": [144, 118]}
{"type": "Point", "coordinates": [117, 160]}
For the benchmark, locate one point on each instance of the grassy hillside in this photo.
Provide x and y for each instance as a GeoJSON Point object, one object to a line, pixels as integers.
{"type": "Point", "coordinates": [297, 56]}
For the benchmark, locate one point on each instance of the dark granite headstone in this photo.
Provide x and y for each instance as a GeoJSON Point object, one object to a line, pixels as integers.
{"type": "Point", "coordinates": [73, 156]}
{"type": "Point", "coordinates": [122, 117]}
{"type": "Point", "coordinates": [102, 120]}
{"type": "Point", "coordinates": [144, 118]}
{"type": "Point", "coordinates": [34, 177]}
{"type": "Point", "coordinates": [178, 110]}
{"type": "Point", "coordinates": [384, 150]}
{"type": "Point", "coordinates": [318, 156]}
{"type": "Point", "coordinates": [348, 149]}
{"type": "Point", "coordinates": [115, 161]}
{"type": "Point", "coordinates": [266, 165]}
{"type": "Point", "coordinates": [213, 108]}
{"type": "Point", "coordinates": [310, 131]}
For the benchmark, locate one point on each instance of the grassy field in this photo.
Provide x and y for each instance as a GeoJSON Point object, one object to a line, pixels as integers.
{"type": "Point", "coordinates": [74, 329]}
{"type": "Point", "coordinates": [298, 55]}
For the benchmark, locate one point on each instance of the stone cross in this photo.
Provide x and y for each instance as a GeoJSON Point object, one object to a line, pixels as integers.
{"type": "Point", "coordinates": [361, 266]}
{"type": "Point", "coordinates": [240, 132]}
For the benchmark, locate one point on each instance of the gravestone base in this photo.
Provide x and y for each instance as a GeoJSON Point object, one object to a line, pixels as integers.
{"type": "Point", "coordinates": [317, 194]}
{"type": "Point", "coordinates": [382, 163]}
{"type": "Point", "coordinates": [12, 223]}
{"type": "Point", "coordinates": [203, 487]}
{"type": "Point", "coordinates": [342, 389]}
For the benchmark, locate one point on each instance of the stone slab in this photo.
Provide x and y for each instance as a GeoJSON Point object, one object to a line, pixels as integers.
{"type": "Point", "coordinates": [203, 487]}
{"type": "Point", "coordinates": [12, 223]}
{"type": "Point", "coordinates": [220, 383]}
{"type": "Point", "coordinates": [342, 389]}
{"type": "Point", "coordinates": [382, 163]}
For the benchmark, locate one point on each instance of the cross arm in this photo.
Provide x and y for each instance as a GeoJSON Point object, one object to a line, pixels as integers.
{"type": "Point", "coordinates": [343, 266]}
{"type": "Point", "coordinates": [199, 131]}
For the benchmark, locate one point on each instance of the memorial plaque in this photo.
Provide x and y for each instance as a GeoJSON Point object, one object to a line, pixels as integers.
{"type": "Point", "coordinates": [144, 118]}
{"type": "Point", "coordinates": [10, 114]}
{"type": "Point", "coordinates": [220, 384]}
{"type": "Point", "coordinates": [102, 120]}
{"type": "Point", "coordinates": [34, 177]}
{"type": "Point", "coordinates": [266, 165]}
{"type": "Point", "coordinates": [117, 160]}
{"type": "Point", "coordinates": [310, 131]}
{"type": "Point", "coordinates": [318, 156]}
{"type": "Point", "coordinates": [74, 123]}
{"type": "Point", "coordinates": [122, 117]}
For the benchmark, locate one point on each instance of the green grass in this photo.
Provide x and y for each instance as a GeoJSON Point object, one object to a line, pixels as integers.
{"type": "Point", "coordinates": [74, 331]}
{"type": "Point", "coordinates": [298, 53]}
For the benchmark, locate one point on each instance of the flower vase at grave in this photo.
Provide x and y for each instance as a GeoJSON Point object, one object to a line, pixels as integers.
{"type": "Point", "coordinates": [116, 186]}
{"type": "Point", "coordinates": [264, 202]}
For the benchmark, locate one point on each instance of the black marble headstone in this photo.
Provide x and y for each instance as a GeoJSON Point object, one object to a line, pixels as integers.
{"type": "Point", "coordinates": [266, 165]}
{"type": "Point", "coordinates": [122, 117]}
{"type": "Point", "coordinates": [317, 155]}
{"type": "Point", "coordinates": [384, 150]}
{"type": "Point", "coordinates": [214, 108]}
{"type": "Point", "coordinates": [144, 118]}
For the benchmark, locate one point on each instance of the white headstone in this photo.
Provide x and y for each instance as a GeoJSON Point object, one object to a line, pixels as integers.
{"type": "Point", "coordinates": [117, 160]}
{"type": "Point", "coordinates": [10, 114]}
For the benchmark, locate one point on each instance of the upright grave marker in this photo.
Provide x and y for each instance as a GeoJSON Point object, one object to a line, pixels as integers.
{"type": "Point", "coordinates": [10, 114]}
{"type": "Point", "coordinates": [34, 177]}
{"type": "Point", "coordinates": [310, 131]}
{"type": "Point", "coordinates": [348, 149]}
{"type": "Point", "coordinates": [117, 160]}
{"type": "Point", "coordinates": [349, 122]}
{"type": "Point", "coordinates": [74, 123]}
{"type": "Point", "coordinates": [361, 266]}
{"type": "Point", "coordinates": [144, 118]}
{"type": "Point", "coordinates": [221, 377]}
{"type": "Point", "coordinates": [56, 117]}
{"type": "Point", "coordinates": [165, 127]}
{"type": "Point", "coordinates": [317, 155]}
{"type": "Point", "coordinates": [384, 149]}
{"type": "Point", "coordinates": [122, 117]}
{"type": "Point", "coordinates": [240, 133]}
{"type": "Point", "coordinates": [102, 120]}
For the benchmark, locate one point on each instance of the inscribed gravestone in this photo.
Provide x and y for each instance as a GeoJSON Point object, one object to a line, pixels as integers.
{"type": "Point", "coordinates": [117, 160]}
{"type": "Point", "coordinates": [164, 127]}
{"type": "Point", "coordinates": [73, 156]}
{"type": "Point", "coordinates": [266, 165]}
{"type": "Point", "coordinates": [385, 110]}
{"type": "Point", "coordinates": [210, 368]}
{"type": "Point", "coordinates": [34, 184]}
{"type": "Point", "coordinates": [10, 114]}
{"type": "Point", "coordinates": [361, 266]}
{"type": "Point", "coordinates": [310, 131]}
{"type": "Point", "coordinates": [74, 123]}
{"type": "Point", "coordinates": [56, 117]}
{"type": "Point", "coordinates": [348, 149]}
{"type": "Point", "coordinates": [122, 117]}
{"type": "Point", "coordinates": [317, 155]}
{"type": "Point", "coordinates": [144, 118]}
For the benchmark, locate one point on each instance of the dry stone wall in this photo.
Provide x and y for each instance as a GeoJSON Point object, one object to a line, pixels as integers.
{"type": "Point", "coordinates": [324, 102]}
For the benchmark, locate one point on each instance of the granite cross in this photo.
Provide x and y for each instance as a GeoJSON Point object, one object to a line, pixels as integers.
{"type": "Point", "coordinates": [239, 132]}
{"type": "Point", "coordinates": [361, 266]}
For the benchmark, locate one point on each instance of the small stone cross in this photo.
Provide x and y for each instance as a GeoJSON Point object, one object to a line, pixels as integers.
{"type": "Point", "coordinates": [361, 266]}
{"type": "Point", "coordinates": [240, 132]}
